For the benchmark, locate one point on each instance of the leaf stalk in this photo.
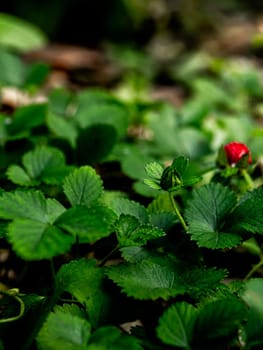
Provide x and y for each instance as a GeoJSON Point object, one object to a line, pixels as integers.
{"type": "Point", "coordinates": [247, 178]}
{"type": "Point", "coordinates": [103, 261]}
{"type": "Point", "coordinates": [177, 211]}
{"type": "Point", "coordinates": [21, 304]}
{"type": "Point", "coordinates": [254, 269]}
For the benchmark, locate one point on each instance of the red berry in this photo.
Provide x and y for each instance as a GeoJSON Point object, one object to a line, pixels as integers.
{"type": "Point", "coordinates": [235, 151]}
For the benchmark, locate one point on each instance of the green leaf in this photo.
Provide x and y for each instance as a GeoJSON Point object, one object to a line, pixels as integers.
{"type": "Point", "coordinates": [131, 233]}
{"type": "Point", "coordinates": [3, 229]}
{"type": "Point", "coordinates": [201, 281]}
{"type": "Point", "coordinates": [46, 163]}
{"type": "Point", "coordinates": [105, 113]}
{"type": "Point", "coordinates": [163, 220]}
{"type": "Point", "coordinates": [26, 118]}
{"type": "Point", "coordinates": [85, 281]}
{"type": "Point", "coordinates": [181, 165]}
{"type": "Point", "coordinates": [41, 159]}
{"type": "Point", "coordinates": [211, 90]}
{"type": "Point", "coordinates": [152, 184]}
{"type": "Point", "coordinates": [31, 233]}
{"type": "Point", "coordinates": [98, 106]}
{"type": "Point", "coordinates": [12, 68]}
{"type": "Point", "coordinates": [133, 159]}
{"type": "Point", "coordinates": [36, 75]}
{"type": "Point", "coordinates": [219, 318]}
{"type": "Point", "coordinates": [19, 34]}
{"type": "Point", "coordinates": [164, 132]}
{"type": "Point", "coordinates": [253, 298]}
{"type": "Point", "coordinates": [161, 203]}
{"type": "Point", "coordinates": [172, 139]}
{"type": "Point", "coordinates": [62, 128]}
{"type": "Point", "coordinates": [3, 131]}
{"type": "Point", "coordinates": [192, 142]}
{"type": "Point", "coordinates": [95, 143]}
{"type": "Point", "coordinates": [141, 188]}
{"type": "Point", "coordinates": [176, 325]}
{"type": "Point", "coordinates": [43, 164]}
{"type": "Point", "coordinates": [253, 294]}
{"type": "Point", "coordinates": [94, 96]}
{"type": "Point", "coordinates": [29, 205]}
{"type": "Point", "coordinates": [206, 214]}
{"type": "Point", "coordinates": [89, 224]}
{"type": "Point", "coordinates": [54, 209]}
{"type": "Point", "coordinates": [154, 170]}
{"type": "Point", "coordinates": [83, 186]}
{"type": "Point", "coordinates": [108, 337]}
{"type": "Point", "coordinates": [71, 309]}
{"type": "Point", "coordinates": [146, 280]}
{"type": "Point", "coordinates": [60, 101]}
{"type": "Point", "coordinates": [20, 204]}
{"type": "Point", "coordinates": [163, 278]}
{"type": "Point", "coordinates": [64, 330]}
{"type": "Point", "coordinates": [129, 207]}
{"type": "Point", "coordinates": [248, 213]}
{"type": "Point", "coordinates": [35, 240]}
{"type": "Point", "coordinates": [109, 197]}
{"type": "Point", "coordinates": [18, 176]}
{"type": "Point", "coordinates": [193, 65]}
{"type": "Point", "coordinates": [194, 110]}
{"type": "Point", "coordinates": [135, 254]}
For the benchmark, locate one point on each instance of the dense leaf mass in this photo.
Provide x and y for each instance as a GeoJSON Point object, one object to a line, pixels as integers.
{"type": "Point", "coordinates": [131, 187]}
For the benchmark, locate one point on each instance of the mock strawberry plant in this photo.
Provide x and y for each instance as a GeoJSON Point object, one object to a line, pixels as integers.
{"type": "Point", "coordinates": [131, 223]}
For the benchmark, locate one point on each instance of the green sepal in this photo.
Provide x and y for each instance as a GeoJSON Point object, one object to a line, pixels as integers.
{"type": "Point", "coordinates": [221, 160]}
{"type": "Point", "coordinates": [178, 175]}
{"type": "Point", "coordinates": [171, 179]}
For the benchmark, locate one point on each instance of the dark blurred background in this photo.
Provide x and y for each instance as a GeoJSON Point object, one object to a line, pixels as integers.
{"type": "Point", "coordinates": [79, 21]}
{"type": "Point", "coordinates": [89, 23]}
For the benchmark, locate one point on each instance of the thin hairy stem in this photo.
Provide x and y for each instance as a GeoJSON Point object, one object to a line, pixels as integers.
{"type": "Point", "coordinates": [21, 304]}
{"type": "Point", "coordinates": [177, 211]}
{"type": "Point", "coordinates": [254, 269]}
{"type": "Point", "coordinates": [247, 178]}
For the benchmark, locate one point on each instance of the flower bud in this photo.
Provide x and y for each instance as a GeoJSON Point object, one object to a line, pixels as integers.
{"type": "Point", "coordinates": [170, 179]}
{"type": "Point", "coordinates": [236, 152]}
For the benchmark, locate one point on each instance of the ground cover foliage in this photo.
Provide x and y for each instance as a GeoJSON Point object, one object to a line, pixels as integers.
{"type": "Point", "coordinates": [124, 220]}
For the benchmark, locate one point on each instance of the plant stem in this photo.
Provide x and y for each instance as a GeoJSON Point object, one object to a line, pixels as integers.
{"type": "Point", "coordinates": [103, 261]}
{"type": "Point", "coordinates": [254, 269]}
{"type": "Point", "coordinates": [247, 178]}
{"type": "Point", "coordinates": [177, 211]}
{"type": "Point", "coordinates": [69, 301]}
{"type": "Point", "coordinates": [21, 311]}
{"type": "Point", "coordinates": [53, 272]}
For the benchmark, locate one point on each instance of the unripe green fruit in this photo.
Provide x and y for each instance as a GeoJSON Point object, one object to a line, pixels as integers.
{"type": "Point", "coordinates": [170, 179]}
